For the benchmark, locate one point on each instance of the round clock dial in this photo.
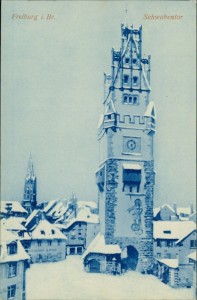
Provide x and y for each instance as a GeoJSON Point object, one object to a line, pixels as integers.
{"type": "Point", "coordinates": [131, 144]}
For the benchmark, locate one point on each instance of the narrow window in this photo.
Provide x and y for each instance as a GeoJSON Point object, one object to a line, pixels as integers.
{"type": "Point", "coordinates": [39, 243]}
{"type": "Point", "coordinates": [130, 100]}
{"type": "Point", "coordinates": [11, 291]}
{"type": "Point", "coordinates": [135, 100]}
{"type": "Point", "coordinates": [12, 248]}
{"type": "Point", "coordinates": [125, 99]}
{"type": "Point", "coordinates": [12, 269]}
{"type": "Point", "coordinates": [193, 243]}
{"type": "Point", "coordinates": [53, 231]}
{"type": "Point", "coordinates": [134, 61]}
{"type": "Point", "coordinates": [49, 243]}
{"type": "Point", "coordinates": [127, 60]}
{"type": "Point", "coordinates": [135, 79]}
{"type": "Point", "coordinates": [126, 78]}
{"type": "Point", "coordinates": [42, 232]}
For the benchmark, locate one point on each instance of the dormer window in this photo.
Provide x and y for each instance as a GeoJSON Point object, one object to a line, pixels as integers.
{"type": "Point", "coordinates": [126, 78]}
{"type": "Point", "coordinates": [167, 231]}
{"type": "Point", "coordinates": [12, 248]}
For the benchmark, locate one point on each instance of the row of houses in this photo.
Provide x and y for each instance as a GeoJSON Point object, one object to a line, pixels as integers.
{"type": "Point", "coordinates": [60, 228]}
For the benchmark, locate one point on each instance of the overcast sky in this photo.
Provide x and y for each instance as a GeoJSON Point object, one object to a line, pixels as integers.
{"type": "Point", "coordinates": [52, 93]}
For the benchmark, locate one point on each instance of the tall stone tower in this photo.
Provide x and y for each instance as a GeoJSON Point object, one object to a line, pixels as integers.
{"type": "Point", "coordinates": [30, 189]}
{"type": "Point", "coordinates": [125, 176]}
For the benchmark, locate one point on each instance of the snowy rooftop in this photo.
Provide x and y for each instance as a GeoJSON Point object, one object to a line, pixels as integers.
{"type": "Point", "coordinates": [98, 246]}
{"type": "Point", "coordinates": [193, 255]}
{"type": "Point", "coordinates": [170, 262]}
{"type": "Point", "coordinates": [16, 206]}
{"type": "Point", "coordinates": [83, 215]}
{"type": "Point", "coordinates": [175, 230]}
{"type": "Point", "coordinates": [179, 211]}
{"type": "Point", "coordinates": [12, 223]}
{"type": "Point", "coordinates": [31, 216]}
{"type": "Point", "coordinates": [46, 230]}
{"type": "Point", "coordinates": [150, 112]}
{"type": "Point", "coordinates": [50, 204]}
{"type": "Point", "coordinates": [157, 209]}
{"type": "Point", "coordinates": [6, 238]}
{"type": "Point", "coordinates": [90, 204]}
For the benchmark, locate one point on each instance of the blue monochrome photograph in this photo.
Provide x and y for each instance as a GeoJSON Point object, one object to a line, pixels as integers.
{"type": "Point", "coordinates": [98, 149]}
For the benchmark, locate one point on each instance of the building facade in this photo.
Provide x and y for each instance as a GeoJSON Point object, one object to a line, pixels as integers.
{"type": "Point", "coordinates": [126, 176]}
{"type": "Point", "coordinates": [13, 265]}
{"type": "Point", "coordinates": [29, 201]}
{"type": "Point", "coordinates": [174, 241]}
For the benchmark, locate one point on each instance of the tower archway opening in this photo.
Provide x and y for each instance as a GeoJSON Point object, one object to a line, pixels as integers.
{"type": "Point", "coordinates": [129, 258]}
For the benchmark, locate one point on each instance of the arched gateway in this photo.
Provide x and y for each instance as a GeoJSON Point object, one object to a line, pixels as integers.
{"type": "Point", "coordinates": [129, 258]}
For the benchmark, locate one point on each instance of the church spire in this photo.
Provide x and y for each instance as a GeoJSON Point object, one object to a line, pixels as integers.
{"type": "Point", "coordinates": [30, 188]}
{"type": "Point", "coordinates": [30, 167]}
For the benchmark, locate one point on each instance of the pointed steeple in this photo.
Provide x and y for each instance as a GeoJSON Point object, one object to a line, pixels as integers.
{"type": "Point", "coordinates": [30, 189]}
{"type": "Point", "coordinates": [30, 167]}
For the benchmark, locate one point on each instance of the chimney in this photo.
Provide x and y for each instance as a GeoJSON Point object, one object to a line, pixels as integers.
{"type": "Point", "coordinates": [175, 207]}
{"type": "Point", "coordinates": [191, 208]}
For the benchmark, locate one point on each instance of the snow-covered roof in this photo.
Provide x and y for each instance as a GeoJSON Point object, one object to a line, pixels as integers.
{"type": "Point", "coordinates": [184, 210]}
{"type": "Point", "coordinates": [110, 108]}
{"type": "Point", "coordinates": [101, 117]}
{"type": "Point", "coordinates": [150, 111]}
{"type": "Point", "coordinates": [58, 210]}
{"type": "Point", "coordinates": [83, 215]}
{"type": "Point", "coordinates": [46, 230]}
{"type": "Point", "coordinates": [170, 262]}
{"type": "Point", "coordinates": [157, 209]}
{"type": "Point", "coordinates": [16, 206]}
{"type": "Point", "coordinates": [7, 238]}
{"type": "Point", "coordinates": [131, 166]}
{"type": "Point", "coordinates": [50, 204]}
{"type": "Point", "coordinates": [31, 216]}
{"type": "Point", "coordinates": [91, 204]}
{"type": "Point", "coordinates": [193, 255]}
{"type": "Point", "coordinates": [12, 224]}
{"type": "Point", "coordinates": [175, 230]}
{"type": "Point", "coordinates": [98, 246]}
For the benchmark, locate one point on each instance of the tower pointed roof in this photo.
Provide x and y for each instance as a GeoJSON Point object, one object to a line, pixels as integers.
{"type": "Point", "coordinates": [30, 168]}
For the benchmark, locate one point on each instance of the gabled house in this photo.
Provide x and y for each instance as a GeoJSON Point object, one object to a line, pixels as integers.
{"type": "Point", "coordinates": [12, 208]}
{"type": "Point", "coordinates": [168, 213]}
{"type": "Point", "coordinates": [173, 242]}
{"type": "Point", "coordinates": [13, 265]}
{"type": "Point", "coordinates": [79, 229]}
{"type": "Point", "coordinates": [102, 258]}
{"type": "Point", "coordinates": [47, 243]}
{"type": "Point", "coordinates": [13, 224]}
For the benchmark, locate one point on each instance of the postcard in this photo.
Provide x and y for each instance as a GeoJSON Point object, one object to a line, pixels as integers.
{"type": "Point", "coordinates": [98, 150]}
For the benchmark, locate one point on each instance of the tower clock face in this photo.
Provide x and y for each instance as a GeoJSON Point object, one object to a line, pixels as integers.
{"type": "Point", "coordinates": [131, 144]}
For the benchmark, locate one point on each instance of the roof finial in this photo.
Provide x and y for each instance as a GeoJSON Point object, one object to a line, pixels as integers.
{"type": "Point", "coordinates": [126, 10]}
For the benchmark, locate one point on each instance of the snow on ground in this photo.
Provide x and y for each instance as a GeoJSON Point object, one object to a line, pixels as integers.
{"type": "Point", "coordinates": [67, 280]}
